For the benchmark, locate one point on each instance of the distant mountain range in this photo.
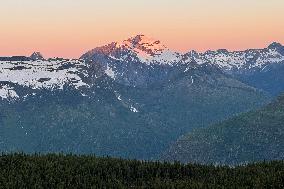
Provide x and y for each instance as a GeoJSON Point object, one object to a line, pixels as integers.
{"type": "Point", "coordinates": [136, 61]}
{"type": "Point", "coordinates": [253, 66]}
{"type": "Point", "coordinates": [131, 99]}
{"type": "Point", "coordinates": [35, 56]}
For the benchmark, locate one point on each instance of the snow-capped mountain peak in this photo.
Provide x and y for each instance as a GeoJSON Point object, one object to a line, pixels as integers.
{"type": "Point", "coordinates": [149, 50]}
{"type": "Point", "coordinates": [138, 48]}
{"type": "Point", "coordinates": [143, 45]}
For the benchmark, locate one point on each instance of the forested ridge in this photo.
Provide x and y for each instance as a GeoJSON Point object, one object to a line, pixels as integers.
{"type": "Point", "coordinates": [71, 171]}
{"type": "Point", "coordinates": [246, 138]}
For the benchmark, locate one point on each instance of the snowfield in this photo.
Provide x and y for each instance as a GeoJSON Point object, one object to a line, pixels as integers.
{"type": "Point", "coordinates": [40, 74]}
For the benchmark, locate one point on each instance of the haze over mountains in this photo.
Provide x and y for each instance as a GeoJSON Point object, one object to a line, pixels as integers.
{"type": "Point", "coordinates": [249, 137]}
{"type": "Point", "coordinates": [130, 99]}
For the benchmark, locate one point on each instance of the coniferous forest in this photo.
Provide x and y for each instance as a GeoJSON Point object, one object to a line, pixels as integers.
{"type": "Point", "coordinates": [70, 171]}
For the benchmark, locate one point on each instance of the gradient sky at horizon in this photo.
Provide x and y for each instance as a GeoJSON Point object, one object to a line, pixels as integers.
{"type": "Point", "coordinates": [68, 28]}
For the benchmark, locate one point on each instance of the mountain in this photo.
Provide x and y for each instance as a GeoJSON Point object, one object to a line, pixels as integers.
{"type": "Point", "coordinates": [240, 61]}
{"type": "Point", "coordinates": [126, 99]}
{"type": "Point", "coordinates": [260, 68]}
{"type": "Point", "coordinates": [139, 48]}
{"type": "Point", "coordinates": [249, 137]}
{"type": "Point", "coordinates": [36, 56]}
{"type": "Point", "coordinates": [21, 79]}
{"type": "Point", "coordinates": [137, 61]}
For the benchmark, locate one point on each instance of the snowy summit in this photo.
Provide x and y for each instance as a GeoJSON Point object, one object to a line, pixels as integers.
{"type": "Point", "coordinates": [149, 50]}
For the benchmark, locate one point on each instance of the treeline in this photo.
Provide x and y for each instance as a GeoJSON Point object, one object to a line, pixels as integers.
{"type": "Point", "coordinates": [70, 171]}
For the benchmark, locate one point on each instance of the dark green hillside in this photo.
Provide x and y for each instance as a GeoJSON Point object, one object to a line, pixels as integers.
{"type": "Point", "coordinates": [250, 137]}
{"type": "Point", "coordinates": [59, 171]}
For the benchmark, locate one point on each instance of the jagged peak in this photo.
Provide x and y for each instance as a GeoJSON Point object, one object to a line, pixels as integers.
{"type": "Point", "coordinates": [191, 53]}
{"type": "Point", "coordinates": [224, 51]}
{"type": "Point", "coordinates": [141, 39]}
{"type": "Point", "coordinates": [210, 52]}
{"type": "Point", "coordinates": [36, 56]}
{"type": "Point", "coordinates": [142, 43]}
{"type": "Point", "coordinates": [275, 45]}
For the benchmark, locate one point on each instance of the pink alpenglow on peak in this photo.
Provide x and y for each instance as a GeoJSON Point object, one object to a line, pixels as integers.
{"type": "Point", "coordinates": [143, 43]}
{"type": "Point", "coordinates": [149, 50]}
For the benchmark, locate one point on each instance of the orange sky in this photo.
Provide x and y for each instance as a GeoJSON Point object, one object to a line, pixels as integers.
{"type": "Point", "coordinates": [68, 28]}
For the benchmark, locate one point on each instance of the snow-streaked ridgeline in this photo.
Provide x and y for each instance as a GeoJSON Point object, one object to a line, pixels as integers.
{"type": "Point", "coordinates": [39, 74]}
{"type": "Point", "coordinates": [134, 61]}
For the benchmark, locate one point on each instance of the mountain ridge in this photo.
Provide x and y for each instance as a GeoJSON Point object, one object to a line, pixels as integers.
{"type": "Point", "coordinates": [143, 61]}
{"type": "Point", "coordinates": [192, 56]}
{"type": "Point", "coordinates": [249, 137]}
{"type": "Point", "coordinates": [254, 67]}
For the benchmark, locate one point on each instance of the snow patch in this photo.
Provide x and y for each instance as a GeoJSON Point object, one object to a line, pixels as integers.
{"type": "Point", "coordinates": [109, 71]}
{"type": "Point", "coordinates": [7, 92]}
{"type": "Point", "coordinates": [133, 109]}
